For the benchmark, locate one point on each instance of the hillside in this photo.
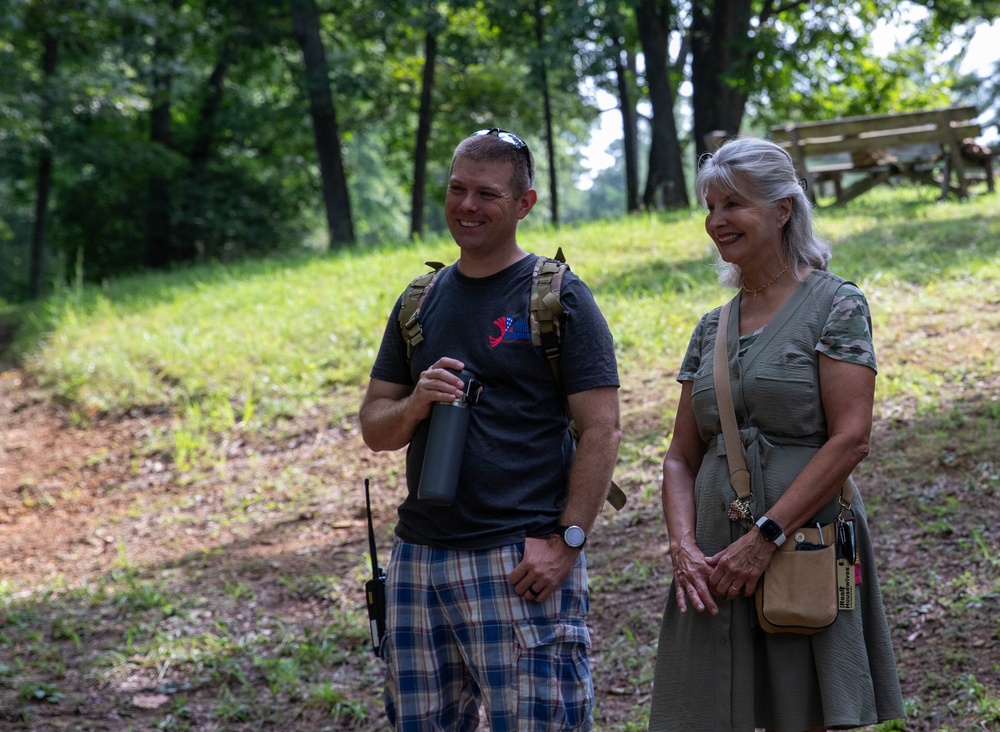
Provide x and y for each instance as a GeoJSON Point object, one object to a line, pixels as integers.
{"type": "Point", "coordinates": [182, 532]}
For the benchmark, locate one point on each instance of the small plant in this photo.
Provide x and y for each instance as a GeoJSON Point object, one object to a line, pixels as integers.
{"type": "Point", "coordinates": [47, 693]}
{"type": "Point", "coordinates": [63, 629]}
{"type": "Point", "coordinates": [321, 650]}
{"type": "Point", "coordinates": [325, 698]}
{"type": "Point", "coordinates": [137, 595]}
{"type": "Point", "coordinates": [230, 708]}
{"type": "Point", "coordinates": [238, 591]}
{"type": "Point", "coordinates": [983, 705]}
{"type": "Point", "coordinates": [282, 675]}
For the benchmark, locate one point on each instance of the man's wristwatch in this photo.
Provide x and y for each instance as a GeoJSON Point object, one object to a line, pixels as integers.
{"type": "Point", "coordinates": [770, 530]}
{"type": "Point", "coordinates": [574, 536]}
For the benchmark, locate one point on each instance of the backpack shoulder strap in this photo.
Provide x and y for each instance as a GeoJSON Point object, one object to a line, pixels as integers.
{"type": "Point", "coordinates": [545, 319]}
{"type": "Point", "coordinates": [412, 301]}
{"type": "Point", "coordinates": [545, 310]}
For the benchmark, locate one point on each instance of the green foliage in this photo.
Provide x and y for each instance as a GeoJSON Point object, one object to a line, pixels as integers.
{"type": "Point", "coordinates": [377, 198]}
{"type": "Point", "coordinates": [234, 175]}
{"type": "Point", "coordinates": [230, 181]}
{"type": "Point", "coordinates": [830, 70]}
{"type": "Point", "coordinates": [949, 19]}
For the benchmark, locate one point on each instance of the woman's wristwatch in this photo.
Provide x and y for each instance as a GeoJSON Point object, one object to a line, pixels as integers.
{"type": "Point", "coordinates": [770, 530]}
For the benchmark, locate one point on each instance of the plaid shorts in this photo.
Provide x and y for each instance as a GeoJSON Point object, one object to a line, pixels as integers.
{"type": "Point", "coordinates": [457, 634]}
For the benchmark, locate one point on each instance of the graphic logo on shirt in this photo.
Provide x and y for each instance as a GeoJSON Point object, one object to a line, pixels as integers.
{"type": "Point", "coordinates": [510, 329]}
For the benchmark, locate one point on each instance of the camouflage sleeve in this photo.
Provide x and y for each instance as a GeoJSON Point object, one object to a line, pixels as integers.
{"type": "Point", "coordinates": [692, 359]}
{"type": "Point", "coordinates": [847, 335]}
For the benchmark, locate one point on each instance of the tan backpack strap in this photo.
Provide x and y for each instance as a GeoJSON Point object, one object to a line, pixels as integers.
{"type": "Point", "coordinates": [545, 311]}
{"type": "Point", "coordinates": [616, 497]}
{"type": "Point", "coordinates": [411, 303]}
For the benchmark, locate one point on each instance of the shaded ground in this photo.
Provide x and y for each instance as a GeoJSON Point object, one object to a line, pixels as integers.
{"type": "Point", "coordinates": [256, 545]}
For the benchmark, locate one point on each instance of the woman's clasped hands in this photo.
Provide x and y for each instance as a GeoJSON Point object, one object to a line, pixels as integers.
{"type": "Point", "coordinates": [701, 580]}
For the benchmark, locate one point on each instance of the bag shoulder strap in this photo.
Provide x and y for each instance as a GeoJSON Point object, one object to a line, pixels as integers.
{"type": "Point", "coordinates": [411, 303]}
{"type": "Point", "coordinates": [739, 476]}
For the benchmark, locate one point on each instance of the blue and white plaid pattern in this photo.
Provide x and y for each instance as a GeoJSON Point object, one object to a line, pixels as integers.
{"type": "Point", "coordinates": [458, 633]}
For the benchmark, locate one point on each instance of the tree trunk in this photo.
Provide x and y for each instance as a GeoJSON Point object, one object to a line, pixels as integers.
{"type": "Point", "coordinates": [424, 117]}
{"type": "Point", "coordinates": [43, 184]}
{"type": "Point", "coordinates": [630, 130]}
{"type": "Point", "coordinates": [543, 80]}
{"type": "Point", "coordinates": [159, 235]}
{"type": "Point", "coordinates": [721, 66]}
{"type": "Point", "coordinates": [189, 229]}
{"type": "Point", "coordinates": [305, 20]}
{"type": "Point", "coordinates": [201, 148]}
{"type": "Point", "coordinates": [665, 182]}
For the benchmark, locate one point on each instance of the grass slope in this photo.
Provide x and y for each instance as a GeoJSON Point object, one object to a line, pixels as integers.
{"type": "Point", "coordinates": [245, 380]}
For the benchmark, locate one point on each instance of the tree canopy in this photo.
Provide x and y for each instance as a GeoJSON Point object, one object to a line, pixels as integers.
{"type": "Point", "coordinates": [138, 134]}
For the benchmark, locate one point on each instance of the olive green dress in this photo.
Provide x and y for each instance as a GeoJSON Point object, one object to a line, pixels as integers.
{"type": "Point", "coordinates": [722, 672]}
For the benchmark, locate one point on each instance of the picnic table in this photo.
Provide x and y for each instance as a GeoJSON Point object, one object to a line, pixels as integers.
{"type": "Point", "coordinates": [856, 154]}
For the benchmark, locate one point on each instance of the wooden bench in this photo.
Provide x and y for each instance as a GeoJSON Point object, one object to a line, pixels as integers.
{"type": "Point", "coordinates": [923, 146]}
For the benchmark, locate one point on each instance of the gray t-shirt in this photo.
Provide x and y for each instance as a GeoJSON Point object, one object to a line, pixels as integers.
{"type": "Point", "coordinates": [518, 449]}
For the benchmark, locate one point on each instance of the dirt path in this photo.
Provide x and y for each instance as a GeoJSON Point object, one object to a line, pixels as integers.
{"type": "Point", "coordinates": [77, 502]}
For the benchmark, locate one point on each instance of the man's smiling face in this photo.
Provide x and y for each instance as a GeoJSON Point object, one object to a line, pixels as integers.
{"type": "Point", "coordinates": [481, 207]}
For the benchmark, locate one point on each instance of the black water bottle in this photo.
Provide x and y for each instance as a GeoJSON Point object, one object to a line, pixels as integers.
{"type": "Point", "coordinates": [446, 443]}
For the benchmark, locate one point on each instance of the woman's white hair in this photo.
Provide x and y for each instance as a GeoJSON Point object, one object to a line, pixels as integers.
{"type": "Point", "coordinates": [761, 170]}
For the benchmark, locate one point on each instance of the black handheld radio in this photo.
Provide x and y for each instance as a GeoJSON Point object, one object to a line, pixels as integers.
{"type": "Point", "coordinates": [375, 587]}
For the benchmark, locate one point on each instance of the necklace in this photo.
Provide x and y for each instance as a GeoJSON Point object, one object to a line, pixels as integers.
{"type": "Point", "coordinates": [761, 289]}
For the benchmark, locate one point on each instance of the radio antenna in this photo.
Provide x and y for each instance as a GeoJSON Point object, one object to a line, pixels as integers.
{"type": "Point", "coordinates": [376, 570]}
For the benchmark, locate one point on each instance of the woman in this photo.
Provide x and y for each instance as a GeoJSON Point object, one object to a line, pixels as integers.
{"type": "Point", "coordinates": [803, 371]}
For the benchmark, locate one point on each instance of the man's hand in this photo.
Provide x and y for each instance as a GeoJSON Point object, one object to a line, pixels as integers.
{"type": "Point", "coordinates": [545, 566]}
{"type": "Point", "coordinates": [436, 384]}
{"type": "Point", "coordinates": [390, 413]}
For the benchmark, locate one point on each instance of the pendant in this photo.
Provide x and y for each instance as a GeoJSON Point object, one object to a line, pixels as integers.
{"type": "Point", "coordinates": [739, 510]}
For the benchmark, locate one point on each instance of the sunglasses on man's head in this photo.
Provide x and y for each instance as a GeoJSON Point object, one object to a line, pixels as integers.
{"type": "Point", "coordinates": [508, 137]}
{"type": "Point", "coordinates": [504, 135]}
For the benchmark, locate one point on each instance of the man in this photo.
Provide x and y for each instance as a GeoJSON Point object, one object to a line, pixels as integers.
{"type": "Point", "coordinates": [487, 597]}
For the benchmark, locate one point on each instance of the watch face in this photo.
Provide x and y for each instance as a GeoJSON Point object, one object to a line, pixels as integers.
{"type": "Point", "coordinates": [574, 536]}
{"type": "Point", "coordinates": [770, 530]}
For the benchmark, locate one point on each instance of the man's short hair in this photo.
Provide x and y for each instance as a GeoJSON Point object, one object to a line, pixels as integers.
{"type": "Point", "coordinates": [484, 147]}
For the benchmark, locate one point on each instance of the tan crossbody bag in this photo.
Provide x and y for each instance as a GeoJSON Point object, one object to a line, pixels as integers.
{"type": "Point", "coordinates": [798, 593]}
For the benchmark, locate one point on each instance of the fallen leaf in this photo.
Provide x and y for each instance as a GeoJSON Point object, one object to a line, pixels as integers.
{"type": "Point", "coordinates": [150, 701]}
